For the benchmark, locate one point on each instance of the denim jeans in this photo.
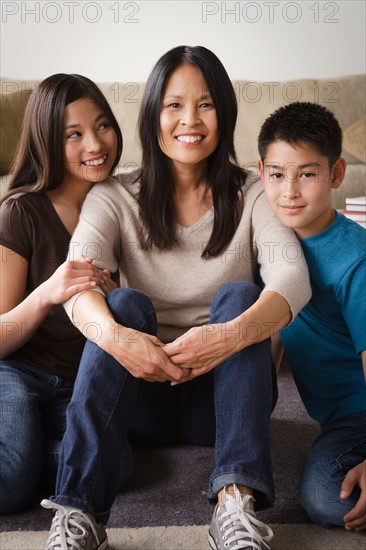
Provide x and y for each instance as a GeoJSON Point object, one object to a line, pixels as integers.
{"type": "Point", "coordinates": [33, 408]}
{"type": "Point", "coordinates": [32, 421]}
{"type": "Point", "coordinates": [340, 447]}
{"type": "Point", "coordinates": [229, 407]}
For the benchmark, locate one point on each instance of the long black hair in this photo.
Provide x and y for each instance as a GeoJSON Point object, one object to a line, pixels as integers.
{"type": "Point", "coordinates": [39, 164]}
{"type": "Point", "coordinates": [223, 175]}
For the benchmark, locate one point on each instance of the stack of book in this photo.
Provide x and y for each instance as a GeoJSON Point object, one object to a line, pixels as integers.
{"type": "Point", "coordinates": [356, 209]}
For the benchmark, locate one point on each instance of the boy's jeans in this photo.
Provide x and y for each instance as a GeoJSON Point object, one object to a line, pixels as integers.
{"type": "Point", "coordinates": [340, 447]}
{"type": "Point", "coordinates": [229, 407]}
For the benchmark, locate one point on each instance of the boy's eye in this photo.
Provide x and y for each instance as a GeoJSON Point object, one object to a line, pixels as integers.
{"type": "Point", "coordinates": [275, 175]}
{"type": "Point", "coordinates": [308, 175]}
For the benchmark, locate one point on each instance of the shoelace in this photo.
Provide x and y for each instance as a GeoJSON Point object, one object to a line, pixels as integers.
{"type": "Point", "coordinates": [256, 532]}
{"type": "Point", "coordinates": [61, 536]}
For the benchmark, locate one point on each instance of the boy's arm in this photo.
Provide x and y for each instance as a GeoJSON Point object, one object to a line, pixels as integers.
{"type": "Point", "coordinates": [363, 355]}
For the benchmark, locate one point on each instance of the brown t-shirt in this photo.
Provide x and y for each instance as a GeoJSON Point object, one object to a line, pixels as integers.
{"type": "Point", "coordinates": [30, 226]}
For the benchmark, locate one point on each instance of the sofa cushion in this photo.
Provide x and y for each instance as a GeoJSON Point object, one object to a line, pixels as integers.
{"type": "Point", "coordinates": [354, 139]}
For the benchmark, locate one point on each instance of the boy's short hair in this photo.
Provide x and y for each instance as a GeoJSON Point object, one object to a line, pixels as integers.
{"type": "Point", "coordinates": [303, 122]}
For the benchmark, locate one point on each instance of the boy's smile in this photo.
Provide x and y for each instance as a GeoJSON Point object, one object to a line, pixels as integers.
{"type": "Point", "coordinates": [298, 182]}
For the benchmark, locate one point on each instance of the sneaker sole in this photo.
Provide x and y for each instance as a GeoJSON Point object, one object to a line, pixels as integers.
{"type": "Point", "coordinates": [212, 542]}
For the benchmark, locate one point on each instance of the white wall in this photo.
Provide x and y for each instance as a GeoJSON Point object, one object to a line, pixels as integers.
{"type": "Point", "coordinates": [120, 41]}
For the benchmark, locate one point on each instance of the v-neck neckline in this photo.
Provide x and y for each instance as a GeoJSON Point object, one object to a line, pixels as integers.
{"type": "Point", "coordinates": [55, 214]}
{"type": "Point", "coordinates": [196, 225]}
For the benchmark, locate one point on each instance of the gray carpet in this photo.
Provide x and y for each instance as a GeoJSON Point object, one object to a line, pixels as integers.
{"type": "Point", "coordinates": [169, 484]}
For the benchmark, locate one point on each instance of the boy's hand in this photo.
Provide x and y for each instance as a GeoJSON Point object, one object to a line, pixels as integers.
{"type": "Point", "coordinates": [356, 518]}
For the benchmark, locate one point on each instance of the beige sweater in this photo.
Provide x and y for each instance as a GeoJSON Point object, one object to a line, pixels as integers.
{"type": "Point", "coordinates": [179, 282]}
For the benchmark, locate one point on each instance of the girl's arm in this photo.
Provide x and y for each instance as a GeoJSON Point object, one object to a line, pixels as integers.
{"type": "Point", "coordinates": [21, 314]}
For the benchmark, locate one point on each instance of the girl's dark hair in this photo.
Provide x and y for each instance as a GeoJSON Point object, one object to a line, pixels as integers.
{"type": "Point", "coordinates": [223, 175]}
{"type": "Point", "coordinates": [39, 160]}
{"type": "Point", "coordinates": [303, 121]}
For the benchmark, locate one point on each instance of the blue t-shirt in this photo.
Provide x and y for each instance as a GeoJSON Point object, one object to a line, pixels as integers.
{"type": "Point", "coordinates": [325, 341]}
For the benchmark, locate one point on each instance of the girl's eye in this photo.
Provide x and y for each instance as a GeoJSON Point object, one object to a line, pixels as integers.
{"type": "Point", "coordinates": [105, 125]}
{"type": "Point", "coordinates": [73, 135]}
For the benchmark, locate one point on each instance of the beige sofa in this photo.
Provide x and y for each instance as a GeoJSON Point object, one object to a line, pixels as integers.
{"type": "Point", "coordinates": [256, 100]}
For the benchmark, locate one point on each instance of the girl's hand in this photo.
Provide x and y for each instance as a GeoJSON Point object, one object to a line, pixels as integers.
{"type": "Point", "coordinates": [203, 348]}
{"type": "Point", "coordinates": [108, 283]}
{"type": "Point", "coordinates": [356, 518]}
{"type": "Point", "coordinates": [72, 277]}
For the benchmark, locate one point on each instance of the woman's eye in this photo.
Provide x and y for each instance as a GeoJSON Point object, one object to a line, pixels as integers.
{"type": "Point", "coordinates": [105, 125]}
{"type": "Point", "coordinates": [207, 106]}
{"type": "Point", "coordinates": [174, 105]}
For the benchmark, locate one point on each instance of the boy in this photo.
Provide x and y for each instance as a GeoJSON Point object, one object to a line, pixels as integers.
{"type": "Point", "coordinates": [300, 147]}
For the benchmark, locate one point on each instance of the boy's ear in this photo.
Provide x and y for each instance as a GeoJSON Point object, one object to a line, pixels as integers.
{"type": "Point", "coordinates": [338, 173]}
{"type": "Point", "coordinates": [260, 168]}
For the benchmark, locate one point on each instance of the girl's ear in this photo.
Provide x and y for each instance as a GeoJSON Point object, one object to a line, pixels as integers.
{"type": "Point", "coordinates": [338, 173]}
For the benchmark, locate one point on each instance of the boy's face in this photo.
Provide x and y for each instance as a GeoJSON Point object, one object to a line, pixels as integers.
{"type": "Point", "coordinates": [298, 181]}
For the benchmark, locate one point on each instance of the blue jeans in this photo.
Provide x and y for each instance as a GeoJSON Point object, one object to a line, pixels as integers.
{"type": "Point", "coordinates": [340, 447]}
{"type": "Point", "coordinates": [229, 407]}
{"type": "Point", "coordinates": [32, 421]}
{"type": "Point", "coordinates": [33, 407]}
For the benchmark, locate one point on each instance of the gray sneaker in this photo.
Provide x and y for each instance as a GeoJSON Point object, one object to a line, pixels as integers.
{"type": "Point", "coordinates": [73, 529]}
{"type": "Point", "coordinates": [234, 525]}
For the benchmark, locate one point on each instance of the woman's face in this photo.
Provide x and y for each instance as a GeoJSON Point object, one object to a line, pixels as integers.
{"type": "Point", "coordinates": [188, 123]}
{"type": "Point", "coordinates": [90, 142]}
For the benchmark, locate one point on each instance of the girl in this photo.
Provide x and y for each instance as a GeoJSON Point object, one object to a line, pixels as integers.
{"type": "Point", "coordinates": [70, 140]}
{"type": "Point", "coordinates": [188, 233]}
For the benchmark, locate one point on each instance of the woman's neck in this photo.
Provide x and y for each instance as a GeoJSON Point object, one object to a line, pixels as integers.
{"type": "Point", "coordinates": [192, 196]}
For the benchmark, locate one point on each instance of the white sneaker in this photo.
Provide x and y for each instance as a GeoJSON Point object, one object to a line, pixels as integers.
{"type": "Point", "coordinates": [73, 529]}
{"type": "Point", "coordinates": [234, 525]}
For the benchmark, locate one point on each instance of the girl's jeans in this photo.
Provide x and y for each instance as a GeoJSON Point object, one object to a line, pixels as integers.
{"type": "Point", "coordinates": [229, 407]}
{"type": "Point", "coordinates": [32, 422]}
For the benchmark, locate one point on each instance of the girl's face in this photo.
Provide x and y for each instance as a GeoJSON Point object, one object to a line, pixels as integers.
{"type": "Point", "coordinates": [188, 123]}
{"type": "Point", "coordinates": [90, 142]}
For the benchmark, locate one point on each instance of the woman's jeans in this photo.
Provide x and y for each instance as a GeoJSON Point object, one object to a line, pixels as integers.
{"type": "Point", "coordinates": [229, 407]}
{"type": "Point", "coordinates": [340, 447]}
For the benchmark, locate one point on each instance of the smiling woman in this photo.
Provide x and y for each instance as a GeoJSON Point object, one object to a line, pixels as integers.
{"type": "Point", "coordinates": [188, 123]}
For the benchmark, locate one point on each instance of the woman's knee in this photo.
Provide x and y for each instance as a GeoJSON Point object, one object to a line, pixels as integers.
{"type": "Point", "coordinates": [131, 308]}
{"type": "Point", "coordinates": [232, 299]}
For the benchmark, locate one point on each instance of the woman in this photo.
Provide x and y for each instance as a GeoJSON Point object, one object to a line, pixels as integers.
{"type": "Point", "coordinates": [70, 140]}
{"type": "Point", "coordinates": [186, 233]}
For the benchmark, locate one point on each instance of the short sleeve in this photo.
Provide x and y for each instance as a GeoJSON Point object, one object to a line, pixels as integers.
{"type": "Point", "coordinates": [16, 227]}
{"type": "Point", "coordinates": [351, 295]}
